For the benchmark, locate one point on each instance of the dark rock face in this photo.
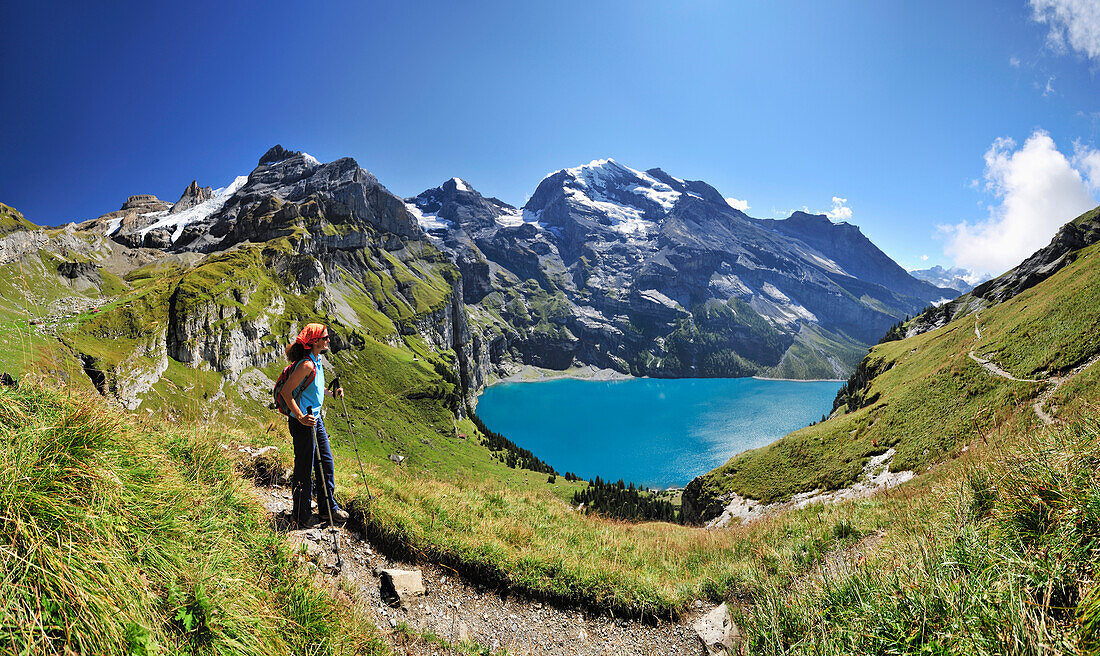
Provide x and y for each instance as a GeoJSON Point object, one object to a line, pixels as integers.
{"type": "Point", "coordinates": [192, 196]}
{"type": "Point", "coordinates": [338, 203]}
{"type": "Point", "coordinates": [650, 274]}
{"type": "Point", "coordinates": [277, 154]}
{"type": "Point", "coordinates": [158, 238]}
{"type": "Point", "coordinates": [74, 270]}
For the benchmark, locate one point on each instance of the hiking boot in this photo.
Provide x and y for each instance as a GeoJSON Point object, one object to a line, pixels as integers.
{"type": "Point", "coordinates": [301, 524]}
{"type": "Point", "coordinates": [339, 515]}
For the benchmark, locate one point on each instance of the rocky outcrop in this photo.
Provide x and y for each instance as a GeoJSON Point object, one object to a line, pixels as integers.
{"type": "Point", "coordinates": [136, 374]}
{"type": "Point", "coordinates": [192, 196]}
{"type": "Point", "coordinates": [218, 334]}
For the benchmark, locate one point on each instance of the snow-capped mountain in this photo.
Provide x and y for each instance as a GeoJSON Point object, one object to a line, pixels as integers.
{"type": "Point", "coordinates": [956, 278]}
{"type": "Point", "coordinates": [652, 274]}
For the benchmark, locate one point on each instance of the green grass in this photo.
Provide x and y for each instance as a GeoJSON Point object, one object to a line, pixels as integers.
{"type": "Point", "coordinates": [1050, 332]}
{"type": "Point", "coordinates": [11, 220]}
{"type": "Point", "coordinates": [122, 537]}
{"type": "Point", "coordinates": [1008, 566]}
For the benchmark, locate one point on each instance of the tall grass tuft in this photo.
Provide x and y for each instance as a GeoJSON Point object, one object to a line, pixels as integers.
{"type": "Point", "coordinates": [122, 538]}
{"type": "Point", "coordinates": [1013, 573]}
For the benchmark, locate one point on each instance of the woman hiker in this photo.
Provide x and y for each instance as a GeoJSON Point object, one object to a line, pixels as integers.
{"type": "Point", "coordinates": [307, 348]}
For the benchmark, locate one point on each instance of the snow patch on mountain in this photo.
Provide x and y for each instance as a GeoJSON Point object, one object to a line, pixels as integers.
{"type": "Point", "coordinates": [428, 221]}
{"type": "Point", "coordinates": [112, 226]}
{"type": "Point", "coordinates": [511, 218]}
{"type": "Point", "coordinates": [617, 192]}
{"type": "Point", "coordinates": [460, 184]}
{"type": "Point", "coordinates": [197, 213]}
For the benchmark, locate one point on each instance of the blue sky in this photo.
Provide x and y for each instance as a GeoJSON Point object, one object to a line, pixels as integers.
{"type": "Point", "coordinates": [951, 130]}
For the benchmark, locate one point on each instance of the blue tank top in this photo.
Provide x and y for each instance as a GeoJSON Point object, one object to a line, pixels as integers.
{"type": "Point", "coordinates": [314, 394]}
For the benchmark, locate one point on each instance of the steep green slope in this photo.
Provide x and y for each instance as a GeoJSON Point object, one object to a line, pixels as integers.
{"type": "Point", "coordinates": [121, 537]}
{"type": "Point", "coordinates": [926, 398]}
{"type": "Point", "coordinates": [11, 220]}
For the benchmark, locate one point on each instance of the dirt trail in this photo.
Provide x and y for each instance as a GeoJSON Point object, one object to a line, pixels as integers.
{"type": "Point", "coordinates": [1052, 382]}
{"type": "Point", "coordinates": [456, 609]}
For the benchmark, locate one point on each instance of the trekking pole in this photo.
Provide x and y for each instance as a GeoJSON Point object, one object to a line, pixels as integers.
{"type": "Point", "coordinates": [324, 488]}
{"type": "Point", "coordinates": [351, 435]}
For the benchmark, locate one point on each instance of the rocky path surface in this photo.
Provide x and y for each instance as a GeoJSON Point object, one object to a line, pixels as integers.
{"type": "Point", "coordinates": [1052, 382]}
{"type": "Point", "coordinates": [460, 611]}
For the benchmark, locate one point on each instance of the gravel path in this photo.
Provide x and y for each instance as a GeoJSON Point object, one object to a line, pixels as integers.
{"type": "Point", "coordinates": [1054, 382]}
{"type": "Point", "coordinates": [458, 610]}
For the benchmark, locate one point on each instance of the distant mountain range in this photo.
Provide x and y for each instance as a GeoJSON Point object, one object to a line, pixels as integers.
{"type": "Point", "coordinates": [641, 272]}
{"type": "Point", "coordinates": [955, 278]}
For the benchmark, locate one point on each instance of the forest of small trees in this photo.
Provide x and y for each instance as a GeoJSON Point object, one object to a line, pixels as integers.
{"type": "Point", "coordinates": [625, 501]}
{"type": "Point", "coordinates": [509, 452]}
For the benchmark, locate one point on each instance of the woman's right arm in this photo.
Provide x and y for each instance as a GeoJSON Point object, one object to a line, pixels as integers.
{"type": "Point", "coordinates": [291, 384]}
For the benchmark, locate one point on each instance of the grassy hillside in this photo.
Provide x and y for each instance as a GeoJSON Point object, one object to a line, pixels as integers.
{"type": "Point", "coordinates": [12, 220]}
{"type": "Point", "coordinates": [126, 537]}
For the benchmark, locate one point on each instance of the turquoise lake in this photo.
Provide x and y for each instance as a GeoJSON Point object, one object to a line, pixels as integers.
{"type": "Point", "coordinates": [654, 432]}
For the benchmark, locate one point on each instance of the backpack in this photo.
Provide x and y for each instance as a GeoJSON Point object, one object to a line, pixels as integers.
{"type": "Point", "coordinates": [279, 403]}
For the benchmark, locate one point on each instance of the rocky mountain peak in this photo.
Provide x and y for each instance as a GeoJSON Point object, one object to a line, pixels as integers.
{"type": "Point", "coordinates": [277, 154]}
{"type": "Point", "coordinates": [192, 196]}
{"type": "Point", "coordinates": [146, 202]}
{"type": "Point", "coordinates": [455, 203]}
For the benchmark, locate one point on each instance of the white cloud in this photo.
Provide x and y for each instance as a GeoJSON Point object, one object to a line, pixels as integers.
{"type": "Point", "coordinates": [1074, 24]}
{"type": "Point", "coordinates": [1014, 61]}
{"type": "Point", "coordinates": [1038, 190]}
{"type": "Point", "coordinates": [923, 258]}
{"type": "Point", "coordinates": [742, 205]}
{"type": "Point", "coordinates": [1049, 90]}
{"type": "Point", "coordinates": [1087, 161]}
{"type": "Point", "coordinates": [840, 211]}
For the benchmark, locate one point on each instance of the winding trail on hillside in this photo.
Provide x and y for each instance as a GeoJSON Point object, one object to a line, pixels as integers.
{"type": "Point", "coordinates": [1052, 382]}
{"type": "Point", "coordinates": [458, 609]}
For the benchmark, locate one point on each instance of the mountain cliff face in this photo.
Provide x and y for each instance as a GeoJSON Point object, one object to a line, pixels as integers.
{"type": "Point", "coordinates": [649, 274]}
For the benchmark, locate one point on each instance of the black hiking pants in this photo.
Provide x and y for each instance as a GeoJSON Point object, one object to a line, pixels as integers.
{"type": "Point", "coordinates": [309, 473]}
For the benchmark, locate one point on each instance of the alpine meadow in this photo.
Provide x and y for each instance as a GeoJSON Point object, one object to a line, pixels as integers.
{"type": "Point", "coordinates": [254, 418]}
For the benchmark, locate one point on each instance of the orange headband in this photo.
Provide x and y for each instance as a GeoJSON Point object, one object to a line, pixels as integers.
{"type": "Point", "coordinates": [310, 334]}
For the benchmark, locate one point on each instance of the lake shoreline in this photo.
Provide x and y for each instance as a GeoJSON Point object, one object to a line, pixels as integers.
{"type": "Point", "coordinates": [803, 380]}
{"type": "Point", "coordinates": [532, 374]}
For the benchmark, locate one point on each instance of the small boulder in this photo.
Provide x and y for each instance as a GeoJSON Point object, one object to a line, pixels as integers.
{"type": "Point", "coordinates": [396, 458]}
{"type": "Point", "coordinates": [399, 585]}
{"type": "Point", "coordinates": [716, 630]}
